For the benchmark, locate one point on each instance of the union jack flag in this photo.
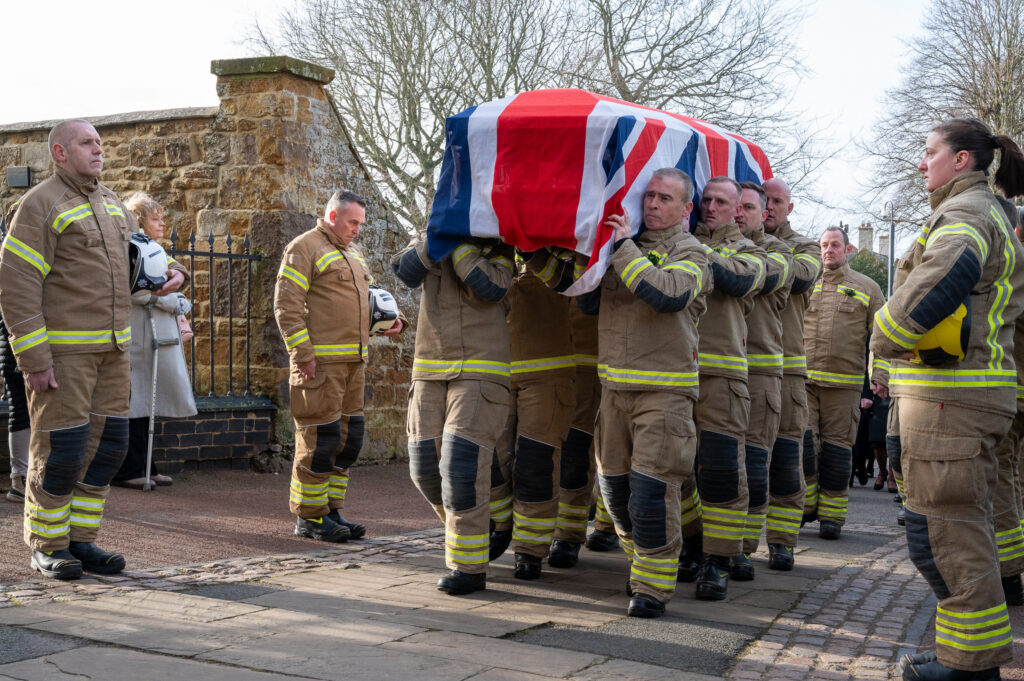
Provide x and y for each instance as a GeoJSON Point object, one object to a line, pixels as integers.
{"type": "Point", "coordinates": [547, 167]}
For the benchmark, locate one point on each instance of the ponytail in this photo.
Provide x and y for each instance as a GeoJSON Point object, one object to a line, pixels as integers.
{"type": "Point", "coordinates": [1010, 175]}
{"type": "Point", "coordinates": [973, 136]}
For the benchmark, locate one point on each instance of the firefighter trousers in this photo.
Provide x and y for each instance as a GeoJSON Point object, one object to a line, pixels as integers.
{"type": "Point", "coordinates": [1006, 518]}
{"type": "Point", "coordinates": [646, 442]}
{"type": "Point", "coordinates": [529, 456]}
{"type": "Point", "coordinates": [949, 476]}
{"type": "Point", "coordinates": [722, 415]}
{"type": "Point", "coordinates": [762, 429]}
{"type": "Point", "coordinates": [893, 450]}
{"type": "Point", "coordinates": [786, 485]}
{"type": "Point", "coordinates": [329, 429]}
{"type": "Point", "coordinates": [453, 428]}
{"type": "Point", "coordinates": [833, 415]}
{"type": "Point", "coordinates": [579, 467]}
{"type": "Point", "coordinates": [79, 439]}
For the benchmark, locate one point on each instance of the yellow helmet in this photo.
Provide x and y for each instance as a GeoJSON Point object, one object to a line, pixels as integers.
{"type": "Point", "coordinates": [946, 342]}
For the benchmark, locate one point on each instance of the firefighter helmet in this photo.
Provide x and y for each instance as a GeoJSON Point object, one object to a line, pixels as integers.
{"type": "Point", "coordinates": [383, 310]}
{"type": "Point", "coordinates": [147, 263]}
{"type": "Point", "coordinates": [946, 342]}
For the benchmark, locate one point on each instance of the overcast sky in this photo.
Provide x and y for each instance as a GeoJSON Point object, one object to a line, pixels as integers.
{"type": "Point", "coordinates": [119, 56]}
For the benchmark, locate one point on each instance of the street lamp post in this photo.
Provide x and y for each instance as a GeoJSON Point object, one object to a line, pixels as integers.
{"type": "Point", "coordinates": [890, 210]}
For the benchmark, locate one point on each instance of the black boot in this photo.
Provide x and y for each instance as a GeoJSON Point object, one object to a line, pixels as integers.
{"type": "Point", "coordinates": [742, 568]}
{"type": "Point", "coordinates": [901, 516]}
{"type": "Point", "coordinates": [829, 529]}
{"type": "Point", "coordinates": [458, 583]}
{"type": "Point", "coordinates": [527, 566]}
{"type": "Point", "coordinates": [1013, 590]}
{"type": "Point", "coordinates": [355, 530]}
{"type": "Point", "coordinates": [713, 579]}
{"type": "Point", "coordinates": [642, 605]}
{"type": "Point", "coordinates": [690, 558]}
{"type": "Point", "coordinates": [323, 529]}
{"type": "Point", "coordinates": [95, 559]}
{"type": "Point", "coordinates": [809, 517]}
{"type": "Point", "coordinates": [563, 554]}
{"type": "Point", "coordinates": [599, 540]}
{"type": "Point", "coordinates": [780, 557]}
{"type": "Point", "coordinates": [56, 564]}
{"type": "Point", "coordinates": [499, 543]}
{"type": "Point", "coordinates": [926, 667]}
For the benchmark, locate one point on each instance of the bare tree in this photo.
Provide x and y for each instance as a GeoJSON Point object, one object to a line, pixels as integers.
{"type": "Point", "coordinates": [969, 61]}
{"type": "Point", "coordinates": [403, 67]}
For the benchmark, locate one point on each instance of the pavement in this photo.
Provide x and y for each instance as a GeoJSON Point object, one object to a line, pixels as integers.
{"type": "Point", "coordinates": [230, 595]}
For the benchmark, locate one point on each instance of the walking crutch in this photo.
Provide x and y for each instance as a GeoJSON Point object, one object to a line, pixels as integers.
{"type": "Point", "coordinates": [157, 344]}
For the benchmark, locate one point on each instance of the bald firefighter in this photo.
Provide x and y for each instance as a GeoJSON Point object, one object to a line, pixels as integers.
{"type": "Point", "coordinates": [837, 326]}
{"type": "Point", "coordinates": [459, 400]}
{"type": "Point", "coordinates": [785, 473]}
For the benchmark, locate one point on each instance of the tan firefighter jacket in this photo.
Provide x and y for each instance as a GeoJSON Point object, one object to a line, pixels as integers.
{"type": "Point", "coordinates": [764, 323]}
{"type": "Point", "coordinates": [322, 299]}
{"type": "Point", "coordinates": [806, 268]}
{"type": "Point", "coordinates": [64, 280]}
{"type": "Point", "coordinates": [738, 268]}
{"type": "Point", "coordinates": [461, 332]}
{"type": "Point", "coordinates": [965, 254]}
{"type": "Point", "coordinates": [538, 327]}
{"type": "Point", "coordinates": [649, 300]}
{"type": "Point", "coordinates": [837, 325]}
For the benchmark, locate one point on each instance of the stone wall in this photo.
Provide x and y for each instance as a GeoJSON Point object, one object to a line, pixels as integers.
{"type": "Point", "coordinates": [260, 165]}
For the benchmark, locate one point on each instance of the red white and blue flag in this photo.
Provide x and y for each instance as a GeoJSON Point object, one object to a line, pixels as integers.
{"type": "Point", "coordinates": [547, 168]}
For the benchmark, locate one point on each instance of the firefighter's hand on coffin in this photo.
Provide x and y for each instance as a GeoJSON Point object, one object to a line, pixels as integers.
{"type": "Point", "coordinates": [620, 226]}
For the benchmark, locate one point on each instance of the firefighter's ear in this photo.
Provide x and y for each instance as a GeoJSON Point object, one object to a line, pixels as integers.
{"type": "Point", "coordinates": [332, 216]}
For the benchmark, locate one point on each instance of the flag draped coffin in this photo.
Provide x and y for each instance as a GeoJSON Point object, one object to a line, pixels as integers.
{"type": "Point", "coordinates": [547, 167]}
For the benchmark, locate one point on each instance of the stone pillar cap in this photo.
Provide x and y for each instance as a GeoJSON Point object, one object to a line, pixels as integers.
{"type": "Point", "coordinates": [252, 66]}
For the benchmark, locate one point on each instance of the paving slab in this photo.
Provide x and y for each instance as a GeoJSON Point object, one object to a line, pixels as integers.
{"type": "Point", "coordinates": [18, 643]}
{"type": "Point", "coordinates": [628, 670]}
{"type": "Point", "coordinates": [118, 664]}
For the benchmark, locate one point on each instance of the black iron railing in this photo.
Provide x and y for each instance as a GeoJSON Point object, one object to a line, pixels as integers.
{"type": "Point", "coordinates": [212, 258]}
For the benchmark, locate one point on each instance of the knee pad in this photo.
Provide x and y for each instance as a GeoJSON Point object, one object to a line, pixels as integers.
{"type": "Point", "coordinates": [110, 452]}
{"type": "Point", "coordinates": [757, 476]}
{"type": "Point", "coordinates": [575, 471]}
{"type": "Point", "coordinates": [834, 467]}
{"type": "Point", "coordinates": [458, 472]}
{"type": "Point", "coordinates": [533, 471]}
{"type": "Point", "coordinates": [353, 442]}
{"type": "Point", "coordinates": [894, 450]}
{"type": "Point", "coordinates": [615, 492]}
{"type": "Point", "coordinates": [647, 510]}
{"type": "Point", "coordinates": [784, 470]}
{"type": "Point", "coordinates": [64, 462]}
{"type": "Point", "coordinates": [424, 469]}
{"type": "Point", "coordinates": [328, 440]}
{"type": "Point", "coordinates": [920, 549]}
{"type": "Point", "coordinates": [718, 475]}
{"type": "Point", "coordinates": [809, 454]}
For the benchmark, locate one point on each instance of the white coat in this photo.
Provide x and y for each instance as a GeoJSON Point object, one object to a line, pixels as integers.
{"type": "Point", "coordinates": [173, 388]}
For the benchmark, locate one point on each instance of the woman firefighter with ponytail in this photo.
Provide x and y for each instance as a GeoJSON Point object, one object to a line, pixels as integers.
{"type": "Point", "coordinates": [953, 410]}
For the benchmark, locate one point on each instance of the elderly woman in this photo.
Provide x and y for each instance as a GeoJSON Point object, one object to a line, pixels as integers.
{"type": "Point", "coordinates": [173, 388]}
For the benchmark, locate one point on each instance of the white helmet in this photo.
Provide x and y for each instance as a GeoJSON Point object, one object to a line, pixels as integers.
{"type": "Point", "coordinates": [383, 310]}
{"type": "Point", "coordinates": [147, 263]}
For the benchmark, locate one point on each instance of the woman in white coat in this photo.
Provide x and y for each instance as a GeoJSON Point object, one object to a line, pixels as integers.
{"type": "Point", "coordinates": [173, 387]}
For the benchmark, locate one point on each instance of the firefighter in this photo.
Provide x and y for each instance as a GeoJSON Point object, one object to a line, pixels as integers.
{"type": "Point", "coordinates": [66, 300]}
{"type": "Point", "coordinates": [785, 478]}
{"type": "Point", "coordinates": [321, 303]}
{"type": "Point", "coordinates": [836, 330]}
{"type": "Point", "coordinates": [525, 480]}
{"type": "Point", "coordinates": [649, 302]}
{"type": "Point", "coordinates": [764, 367]}
{"type": "Point", "coordinates": [955, 390]}
{"type": "Point", "coordinates": [723, 408]}
{"type": "Point", "coordinates": [459, 399]}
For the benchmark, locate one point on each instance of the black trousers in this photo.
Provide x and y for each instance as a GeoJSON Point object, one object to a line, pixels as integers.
{"type": "Point", "coordinates": [134, 465]}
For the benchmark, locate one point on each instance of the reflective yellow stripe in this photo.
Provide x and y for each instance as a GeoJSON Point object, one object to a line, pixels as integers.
{"type": "Point", "coordinates": [893, 331]}
{"type": "Point", "coordinates": [29, 340]}
{"type": "Point", "coordinates": [84, 337]}
{"type": "Point", "coordinates": [47, 513]}
{"type": "Point", "coordinates": [960, 228]}
{"type": "Point", "coordinates": [344, 350]}
{"type": "Point", "coordinates": [123, 336]}
{"type": "Point", "coordinates": [27, 253]}
{"type": "Point", "coordinates": [113, 210]}
{"type": "Point", "coordinates": [764, 360]}
{"type": "Point", "coordinates": [585, 360]}
{"type": "Point", "coordinates": [954, 378]}
{"type": "Point", "coordinates": [67, 217]}
{"type": "Point", "coordinates": [326, 259]}
{"type": "Point", "coordinates": [634, 268]}
{"type": "Point", "coordinates": [784, 261]}
{"type": "Point", "coordinates": [462, 251]}
{"type": "Point", "coordinates": [1004, 289]}
{"type": "Point", "coordinates": [834, 378]}
{"type": "Point", "coordinates": [722, 361]}
{"type": "Point", "coordinates": [468, 549]}
{"type": "Point", "coordinates": [479, 366]}
{"type": "Point", "coordinates": [667, 378]}
{"type": "Point", "coordinates": [296, 338]}
{"type": "Point", "coordinates": [795, 362]}
{"type": "Point", "coordinates": [545, 364]}
{"type": "Point", "coordinates": [294, 275]}
{"type": "Point", "coordinates": [501, 261]}
{"type": "Point", "coordinates": [690, 267]}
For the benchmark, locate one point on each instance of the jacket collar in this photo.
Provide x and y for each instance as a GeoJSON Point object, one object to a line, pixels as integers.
{"type": "Point", "coordinates": [726, 232]}
{"type": "Point", "coordinates": [757, 235]}
{"type": "Point", "coordinates": [331, 237]}
{"type": "Point", "coordinates": [783, 232]}
{"type": "Point", "coordinates": [83, 187]}
{"type": "Point", "coordinates": [650, 237]}
{"type": "Point", "coordinates": [838, 274]}
{"type": "Point", "coordinates": [957, 185]}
